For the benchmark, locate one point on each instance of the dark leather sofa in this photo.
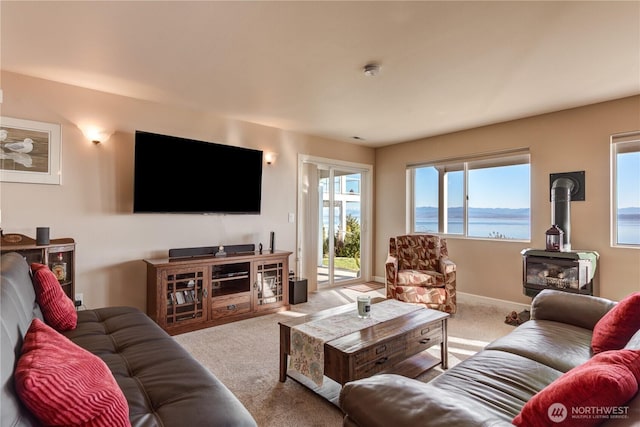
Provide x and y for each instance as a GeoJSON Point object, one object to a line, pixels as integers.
{"type": "Point", "coordinates": [163, 384]}
{"type": "Point", "coordinates": [491, 387]}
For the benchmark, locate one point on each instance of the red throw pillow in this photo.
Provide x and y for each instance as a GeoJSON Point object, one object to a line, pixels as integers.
{"type": "Point", "coordinates": [65, 385]}
{"type": "Point", "coordinates": [57, 308]}
{"type": "Point", "coordinates": [615, 329]}
{"type": "Point", "coordinates": [579, 397]}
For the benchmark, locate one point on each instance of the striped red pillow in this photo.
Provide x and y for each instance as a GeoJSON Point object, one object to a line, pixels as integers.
{"type": "Point", "coordinates": [57, 308]}
{"type": "Point", "coordinates": [64, 384]}
{"type": "Point", "coordinates": [615, 329]}
{"type": "Point", "coordinates": [607, 380]}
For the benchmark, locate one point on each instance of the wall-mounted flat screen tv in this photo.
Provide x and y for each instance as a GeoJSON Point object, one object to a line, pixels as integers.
{"type": "Point", "coordinates": [180, 175]}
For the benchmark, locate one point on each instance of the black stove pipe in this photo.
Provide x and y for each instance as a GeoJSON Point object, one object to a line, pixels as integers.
{"type": "Point", "coordinates": [561, 209]}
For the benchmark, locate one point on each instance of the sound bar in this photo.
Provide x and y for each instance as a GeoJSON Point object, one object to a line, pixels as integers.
{"type": "Point", "coordinates": [211, 251]}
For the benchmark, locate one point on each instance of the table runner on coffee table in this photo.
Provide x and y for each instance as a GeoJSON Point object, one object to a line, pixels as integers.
{"type": "Point", "coordinates": [307, 339]}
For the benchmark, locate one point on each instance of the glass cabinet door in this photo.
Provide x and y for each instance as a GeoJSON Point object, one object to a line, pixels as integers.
{"type": "Point", "coordinates": [185, 296]}
{"type": "Point", "coordinates": [269, 285]}
{"type": "Point", "coordinates": [61, 262]}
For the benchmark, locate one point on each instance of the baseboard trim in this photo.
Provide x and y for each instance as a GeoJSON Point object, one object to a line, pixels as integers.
{"type": "Point", "coordinates": [479, 299]}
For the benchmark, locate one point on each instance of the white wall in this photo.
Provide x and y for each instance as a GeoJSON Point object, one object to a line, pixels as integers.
{"type": "Point", "coordinates": [94, 203]}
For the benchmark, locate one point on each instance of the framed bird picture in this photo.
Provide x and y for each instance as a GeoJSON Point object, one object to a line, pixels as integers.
{"type": "Point", "coordinates": [30, 151]}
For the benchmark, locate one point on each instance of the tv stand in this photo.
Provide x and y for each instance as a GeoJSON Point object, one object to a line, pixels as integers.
{"type": "Point", "coordinates": [189, 293]}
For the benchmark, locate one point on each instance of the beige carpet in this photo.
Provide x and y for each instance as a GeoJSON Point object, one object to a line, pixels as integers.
{"type": "Point", "coordinates": [244, 356]}
{"type": "Point", "coordinates": [366, 287]}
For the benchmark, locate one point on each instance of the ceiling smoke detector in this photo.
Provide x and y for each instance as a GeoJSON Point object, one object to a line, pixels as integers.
{"type": "Point", "coordinates": [371, 69]}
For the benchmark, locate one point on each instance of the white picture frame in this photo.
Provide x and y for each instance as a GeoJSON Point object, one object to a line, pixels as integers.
{"type": "Point", "coordinates": [30, 151]}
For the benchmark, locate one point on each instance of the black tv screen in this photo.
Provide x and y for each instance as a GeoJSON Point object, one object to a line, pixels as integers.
{"type": "Point", "coordinates": [180, 175]}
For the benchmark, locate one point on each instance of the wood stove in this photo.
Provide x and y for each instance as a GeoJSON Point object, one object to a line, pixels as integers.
{"type": "Point", "coordinates": [572, 271]}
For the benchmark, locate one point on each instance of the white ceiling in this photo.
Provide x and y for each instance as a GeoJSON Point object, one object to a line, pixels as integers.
{"type": "Point", "coordinates": [446, 65]}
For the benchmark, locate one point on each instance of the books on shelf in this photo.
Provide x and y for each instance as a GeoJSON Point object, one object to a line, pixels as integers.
{"type": "Point", "coordinates": [179, 297]}
{"type": "Point", "coordinates": [182, 297]}
{"type": "Point", "coordinates": [188, 296]}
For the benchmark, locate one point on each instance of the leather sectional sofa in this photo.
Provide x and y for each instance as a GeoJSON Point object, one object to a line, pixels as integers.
{"type": "Point", "coordinates": [492, 387]}
{"type": "Point", "coordinates": [162, 383]}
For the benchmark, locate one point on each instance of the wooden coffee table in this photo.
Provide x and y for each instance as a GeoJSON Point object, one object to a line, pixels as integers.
{"type": "Point", "coordinates": [394, 346]}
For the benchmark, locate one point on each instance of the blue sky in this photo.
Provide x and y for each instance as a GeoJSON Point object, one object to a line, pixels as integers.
{"type": "Point", "coordinates": [629, 180]}
{"type": "Point", "coordinates": [508, 187]}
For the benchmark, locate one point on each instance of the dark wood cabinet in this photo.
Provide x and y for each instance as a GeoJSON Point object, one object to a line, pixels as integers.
{"type": "Point", "coordinates": [185, 294]}
{"type": "Point", "coordinates": [59, 255]}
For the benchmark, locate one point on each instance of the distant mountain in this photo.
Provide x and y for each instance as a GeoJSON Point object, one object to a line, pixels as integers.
{"type": "Point", "coordinates": [629, 213]}
{"type": "Point", "coordinates": [633, 210]}
{"type": "Point", "coordinates": [430, 212]}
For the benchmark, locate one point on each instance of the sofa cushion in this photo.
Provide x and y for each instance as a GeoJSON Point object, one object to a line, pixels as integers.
{"type": "Point", "coordinates": [608, 380]}
{"type": "Point", "coordinates": [565, 346]}
{"type": "Point", "coordinates": [57, 308]}
{"type": "Point", "coordinates": [499, 382]}
{"type": "Point", "coordinates": [164, 385]}
{"type": "Point", "coordinates": [614, 330]}
{"type": "Point", "coordinates": [63, 384]}
{"type": "Point", "coordinates": [18, 308]}
{"type": "Point", "coordinates": [420, 278]}
{"type": "Point", "coordinates": [392, 400]}
{"type": "Point", "coordinates": [431, 296]}
{"type": "Point", "coordinates": [488, 389]}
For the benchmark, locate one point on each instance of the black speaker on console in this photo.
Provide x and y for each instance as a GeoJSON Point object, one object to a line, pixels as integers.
{"type": "Point", "coordinates": [272, 239]}
{"type": "Point", "coordinates": [42, 236]}
{"type": "Point", "coordinates": [211, 250]}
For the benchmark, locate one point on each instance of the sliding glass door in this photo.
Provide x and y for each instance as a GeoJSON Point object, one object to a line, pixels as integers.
{"type": "Point", "coordinates": [334, 210]}
{"type": "Point", "coordinates": [339, 227]}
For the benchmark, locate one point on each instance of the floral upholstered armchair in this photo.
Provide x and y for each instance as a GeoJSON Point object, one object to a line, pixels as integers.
{"type": "Point", "coordinates": [419, 270]}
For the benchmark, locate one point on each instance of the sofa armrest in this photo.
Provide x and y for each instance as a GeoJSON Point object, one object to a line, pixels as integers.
{"type": "Point", "coordinates": [393, 400]}
{"type": "Point", "coordinates": [447, 266]}
{"type": "Point", "coordinates": [575, 309]}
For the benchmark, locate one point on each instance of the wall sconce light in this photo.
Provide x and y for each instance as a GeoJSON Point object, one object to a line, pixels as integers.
{"type": "Point", "coordinates": [270, 158]}
{"type": "Point", "coordinates": [371, 69]}
{"type": "Point", "coordinates": [96, 135]}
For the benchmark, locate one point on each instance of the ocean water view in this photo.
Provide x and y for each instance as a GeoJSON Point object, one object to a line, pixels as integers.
{"type": "Point", "coordinates": [629, 231]}
{"type": "Point", "coordinates": [514, 225]}
{"type": "Point", "coordinates": [517, 229]}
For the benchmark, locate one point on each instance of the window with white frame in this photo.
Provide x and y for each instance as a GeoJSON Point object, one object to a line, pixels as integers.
{"type": "Point", "coordinates": [486, 196]}
{"type": "Point", "coordinates": [625, 189]}
{"type": "Point", "coordinates": [352, 183]}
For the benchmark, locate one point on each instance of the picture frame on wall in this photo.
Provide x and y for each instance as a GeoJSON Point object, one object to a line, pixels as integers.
{"type": "Point", "coordinates": [30, 151]}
